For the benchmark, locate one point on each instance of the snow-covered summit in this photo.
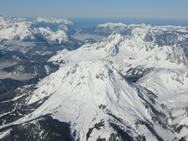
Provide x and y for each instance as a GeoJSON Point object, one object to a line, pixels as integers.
{"type": "Point", "coordinates": [127, 52]}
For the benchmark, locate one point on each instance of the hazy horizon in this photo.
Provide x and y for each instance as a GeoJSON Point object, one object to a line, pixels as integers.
{"type": "Point", "coordinates": [148, 9]}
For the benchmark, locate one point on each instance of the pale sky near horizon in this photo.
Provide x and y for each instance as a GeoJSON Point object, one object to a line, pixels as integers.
{"type": "Point", "coordinates": [156, 9]}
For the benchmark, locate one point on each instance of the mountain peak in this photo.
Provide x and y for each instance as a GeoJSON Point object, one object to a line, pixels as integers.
{"type": "Point", "coordinates": [98, 94]}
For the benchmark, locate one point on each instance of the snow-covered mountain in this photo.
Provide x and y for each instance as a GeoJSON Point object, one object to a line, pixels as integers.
{"type": "Point", "coordinates": [10, 30]}
{"type": "Point", "coordinates": [143, 85]}
{"type": "Point", "coordinates": [59, 36]}
{"type": "Point", "coordinates": [122, 88]}
{"type": "Point", "coordinates": [13, 29]}
{"type": "Point", "coordinates": [161, 35]}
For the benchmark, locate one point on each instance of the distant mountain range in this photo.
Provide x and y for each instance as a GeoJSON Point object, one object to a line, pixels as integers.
{"type": "Point", "coordinates": [15, 29]}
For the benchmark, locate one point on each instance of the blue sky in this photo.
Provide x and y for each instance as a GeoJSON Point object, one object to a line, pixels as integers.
{"type": "Point", "coordinates": [157, 9]}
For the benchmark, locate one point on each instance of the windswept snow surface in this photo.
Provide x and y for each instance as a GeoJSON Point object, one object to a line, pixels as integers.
{"type": "Point", "coordinates": [120, 88]}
